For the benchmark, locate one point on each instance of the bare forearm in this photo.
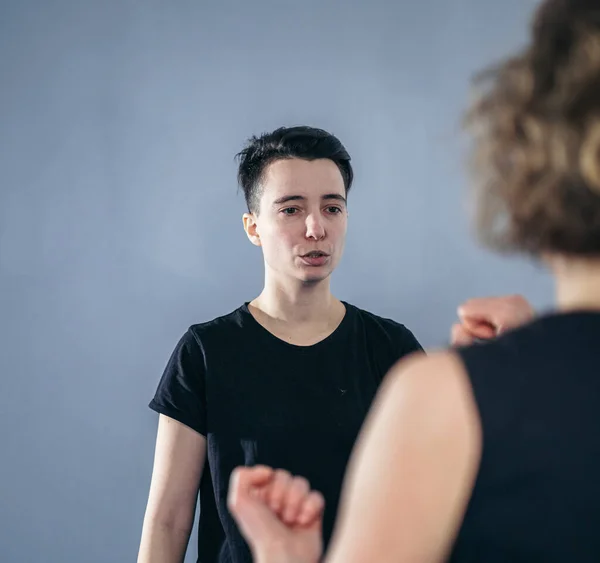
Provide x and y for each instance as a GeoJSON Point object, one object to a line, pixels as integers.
{"type": "Point", "coordinates": [163, 544]}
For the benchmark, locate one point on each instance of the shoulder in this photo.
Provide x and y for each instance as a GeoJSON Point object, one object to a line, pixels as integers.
{"type": "Point", "coordinates": [428, 369]}
{"type": "Point", "coordinates": [374, 319]}
{"type": "Point", "coordinates": [218, 326]}
{"type": "Point", "coordinates": [201, 340]}
{"type": "Point", "coordinates": [199, 337]}
{"type": "Point", "coordinates": [437, 385]}
{"type": "Point", "coordinates": [378, 326]}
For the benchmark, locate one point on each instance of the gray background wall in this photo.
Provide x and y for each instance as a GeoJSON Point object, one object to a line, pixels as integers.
{"type": "Point", "coordinates": [120, 223]}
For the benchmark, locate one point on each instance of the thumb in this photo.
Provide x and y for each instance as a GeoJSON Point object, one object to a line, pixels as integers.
{"type": "Point", "coordinates": [459, 336]}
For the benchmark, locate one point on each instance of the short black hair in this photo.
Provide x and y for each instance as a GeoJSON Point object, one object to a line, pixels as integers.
{"type": "Point", "coordinates": [308, 143]}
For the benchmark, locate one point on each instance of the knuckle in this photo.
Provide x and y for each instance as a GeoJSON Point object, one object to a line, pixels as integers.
{"type": "Point", "coordinates": [282, 475]}
{"type": "Point", "coordinates": [301, 483]}
{"type": "Point", "coordinates": [315, 504]}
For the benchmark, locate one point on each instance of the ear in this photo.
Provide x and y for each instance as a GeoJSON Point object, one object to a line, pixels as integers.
{"type": "Point", "coordinates": [251, 228]}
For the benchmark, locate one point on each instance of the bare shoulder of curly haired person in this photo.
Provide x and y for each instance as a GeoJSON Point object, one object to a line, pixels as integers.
{"type": "Point", "coordinates": [536, 138]}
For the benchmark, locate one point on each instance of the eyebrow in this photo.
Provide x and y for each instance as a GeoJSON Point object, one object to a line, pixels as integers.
{"type": "Point", "coordinates": [325, 197]}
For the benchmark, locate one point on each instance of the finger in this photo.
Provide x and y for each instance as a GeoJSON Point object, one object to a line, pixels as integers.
{"type": "Point", "coordinates": [248, 481]}
{"type": "Point", "coordinates": [504, 312]}
{"type": "Point", "coordinates": [258, 475]}
{"type": "Point", "coordinates": [489, 310]}
{"type": "Point", "coordinates": [459, 336]}
{"type": "Point", "coordinates": [257, 522]}
{"type": "Point", "coordinates": [479, 329]}
{"type": "Point", "coordinates": [262, 492]}
{"type": "Point", "coordinates": [312, 509]}
{"type": "Point", "coordinates": [296, 493]}
{"type": "Point", "coordinates": [277, 490]}
{"type": "Point", "coordinates": [478, 307]}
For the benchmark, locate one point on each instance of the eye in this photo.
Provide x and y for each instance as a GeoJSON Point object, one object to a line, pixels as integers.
{"type": "Point", "coordinates": [289, 211]}
{"type": "Point", "coordinates": [334, 209]}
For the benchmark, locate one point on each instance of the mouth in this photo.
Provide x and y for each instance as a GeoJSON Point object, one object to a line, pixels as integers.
{"type": "Point", "coordinates": [315, 258]}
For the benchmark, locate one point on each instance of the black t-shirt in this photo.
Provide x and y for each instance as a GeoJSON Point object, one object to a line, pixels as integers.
{"type": "Point", "coordinates": [260, 400]}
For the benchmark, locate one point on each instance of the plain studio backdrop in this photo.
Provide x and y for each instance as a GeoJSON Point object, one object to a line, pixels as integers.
{"type": "Point", "coordinates": [120, 220]}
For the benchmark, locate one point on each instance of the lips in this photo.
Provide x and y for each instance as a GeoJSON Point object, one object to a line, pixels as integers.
{"type": "Point", "coordinates": [315, 258]}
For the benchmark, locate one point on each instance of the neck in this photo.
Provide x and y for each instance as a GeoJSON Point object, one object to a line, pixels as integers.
{"type": "Point", "coordinates": [297, 303]}
{"type": "Point", "coordinates": [577, 283]}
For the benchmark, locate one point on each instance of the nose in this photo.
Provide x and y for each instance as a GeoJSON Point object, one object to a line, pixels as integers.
{"type": "Point", "coordinates": [315, 229]}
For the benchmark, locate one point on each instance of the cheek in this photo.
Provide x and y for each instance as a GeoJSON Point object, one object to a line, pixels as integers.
{"type": "Point", "coordinates": [286, 233]}
{"type": "Point", "coordinates": [278, 239]}
{"type": "Point", "coordinates": [339, 234]}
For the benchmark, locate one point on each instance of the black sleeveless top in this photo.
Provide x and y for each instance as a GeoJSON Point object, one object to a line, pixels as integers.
{"type": "Point", "coordinates": [537, 493]}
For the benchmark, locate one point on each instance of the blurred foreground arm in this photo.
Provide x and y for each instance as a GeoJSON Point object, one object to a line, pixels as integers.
{"type": "Point", "coordinates": [412, 472]}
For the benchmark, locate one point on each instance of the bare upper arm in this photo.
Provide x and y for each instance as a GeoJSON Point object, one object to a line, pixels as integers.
{"type": "Point", "coordinates": [179, 460]}
{"type": "Point", "coordinates": [412, 471]}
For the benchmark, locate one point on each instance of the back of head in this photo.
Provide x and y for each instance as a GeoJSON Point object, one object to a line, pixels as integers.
{"type": "Point", "coordinates": [536, 133]}
{"type": "Point", "coordinates": [308, 143]}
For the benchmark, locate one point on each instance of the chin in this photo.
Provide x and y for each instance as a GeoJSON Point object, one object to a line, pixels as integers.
{"type": "Point", "coordinates": [315, 277]}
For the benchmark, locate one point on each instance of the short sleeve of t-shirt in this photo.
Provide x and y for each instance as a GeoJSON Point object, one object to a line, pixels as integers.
{"type": "Point", "coordinates": [181, 391]}
{"type": "Point", "coordinates": [408, 343]}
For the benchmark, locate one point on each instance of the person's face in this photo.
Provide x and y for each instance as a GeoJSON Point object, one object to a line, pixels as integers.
{"type": "Point", "coordinates": [302, 218]}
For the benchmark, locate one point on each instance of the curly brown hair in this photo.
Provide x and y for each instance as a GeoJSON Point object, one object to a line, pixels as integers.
{"type": "Point", "coordinates": [536, 138]}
